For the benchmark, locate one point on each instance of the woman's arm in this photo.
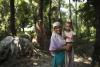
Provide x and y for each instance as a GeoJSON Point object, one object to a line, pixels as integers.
{"type": "Point", "coordinates": [60, 49]}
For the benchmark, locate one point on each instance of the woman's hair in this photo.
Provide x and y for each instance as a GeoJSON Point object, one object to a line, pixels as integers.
{"type": "Point", "coordinates": [56, 24]}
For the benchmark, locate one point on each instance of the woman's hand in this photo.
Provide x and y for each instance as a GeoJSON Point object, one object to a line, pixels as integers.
{"type": "Point", "coordinates": [68, 47]}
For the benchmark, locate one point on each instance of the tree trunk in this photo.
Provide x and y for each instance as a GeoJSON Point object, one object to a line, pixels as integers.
{"type": "Point", "coordinates": [96, 54]}
{"type": "Point", "coordinates": [40, 26]}
{"type": "Point", "coordinates": [70, 13]}
{"type": "Point", "coordinates": [59, 9]}
{"type": "Point", "coordinates": [50, 18]}
{"type": "Point", "coordinates": [12, 18]}
{"type": "Point", "coordinates": [76, 19]}
{"type": "Point", "coordinates": [41, 3]}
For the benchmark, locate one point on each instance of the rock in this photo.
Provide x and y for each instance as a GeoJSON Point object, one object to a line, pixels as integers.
{"type": "Point", "coordinates": [5, 48]}
{"type": "Point", "coordinates": [17, 45]}
{"type": "Point", "coordinates": [6, 41]}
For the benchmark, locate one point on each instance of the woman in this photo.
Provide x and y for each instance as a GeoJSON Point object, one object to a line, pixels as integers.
{"type": "Point", "coordinates": [57, 46]}
{"type": "Point", "coordinates": [69, 36]}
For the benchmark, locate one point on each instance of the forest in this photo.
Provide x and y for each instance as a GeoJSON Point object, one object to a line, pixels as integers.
{"type": "Point", "coordinates": [26, 29]}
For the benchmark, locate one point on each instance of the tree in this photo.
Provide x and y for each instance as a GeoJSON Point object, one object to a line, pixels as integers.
{"type": "Point", "coordinates": [70, 10]}
{"type": "Point", "coordinates": [12, 18]}
{"type": "Point", "coordinates": [96, 54]}
{"type": "Point", "coordinates": [49, 15]}
{"type": "Point", "coordinates": [23, 14]}
{"type": "Point", "coordinates": [87, 16]}
{"type": "Point", "coordinates": [40, 25]}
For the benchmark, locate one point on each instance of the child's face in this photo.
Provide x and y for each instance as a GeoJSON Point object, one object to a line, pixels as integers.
{"type": "Point", "coordinates": [67, 26]}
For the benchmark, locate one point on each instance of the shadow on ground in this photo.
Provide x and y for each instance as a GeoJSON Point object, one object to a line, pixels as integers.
{"type": "Point", "coordinates": [80, 64]}
{"type": "Point", "coordinates": [31, 62]}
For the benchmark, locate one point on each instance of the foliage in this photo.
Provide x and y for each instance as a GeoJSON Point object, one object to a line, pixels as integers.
{"type": "Point", "coordinates": [23, 13]}
{"type": "Point", "coordinates": [26, 15]}
{"type": "Point", "coordinates": [4, 18]}
{"type": "Point", "coordinates": [87, 13]}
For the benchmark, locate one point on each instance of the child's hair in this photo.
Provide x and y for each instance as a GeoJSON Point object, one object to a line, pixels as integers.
{"type": "Point", "coordinates": [70, 23]}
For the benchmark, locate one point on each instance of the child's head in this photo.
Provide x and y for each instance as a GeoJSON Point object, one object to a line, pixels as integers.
{"type": "Point", "coordinates": [68, 25]}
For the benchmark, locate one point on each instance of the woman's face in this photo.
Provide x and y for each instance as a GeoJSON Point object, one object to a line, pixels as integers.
{"type": "Point", "coordinates": [58, 29]}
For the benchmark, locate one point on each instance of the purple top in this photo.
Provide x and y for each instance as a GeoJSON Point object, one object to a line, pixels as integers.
{"type": "Point", "coordinates": [57, 41]}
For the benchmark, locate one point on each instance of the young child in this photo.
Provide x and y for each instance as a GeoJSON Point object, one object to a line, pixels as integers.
{"type": "Point", "coordinates": [69, 36]}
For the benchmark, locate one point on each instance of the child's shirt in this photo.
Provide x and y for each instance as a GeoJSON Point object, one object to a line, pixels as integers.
{"type": "Point", "coordinates": [69, 36]}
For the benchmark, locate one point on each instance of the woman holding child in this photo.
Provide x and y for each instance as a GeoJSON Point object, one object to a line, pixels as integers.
{"type": "Point", "coordinates": [61, 45]}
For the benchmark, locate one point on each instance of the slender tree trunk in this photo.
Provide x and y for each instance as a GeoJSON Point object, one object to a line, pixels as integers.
{"type": "Point", "coordinates": [76, 19]}
{"type": "Point", "coordinates": [70, 13]}
{"type": "Point", "coordinates": [12, 18]}
{"type": "Point", "coordinates": [50, 18]}
{"type": "Point", "coordinates": [59, 8]}
{"type": "Point", "coordinates": [88, 32]}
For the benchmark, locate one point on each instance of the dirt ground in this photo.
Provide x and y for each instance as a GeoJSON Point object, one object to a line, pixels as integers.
{"type": "Point", "coordinates": [41, 62]}
{"type": "Point", "coordinates": [44, 60]}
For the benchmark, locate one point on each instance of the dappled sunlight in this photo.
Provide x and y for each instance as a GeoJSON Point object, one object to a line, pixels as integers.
{"type": "Point", "coordinates": [44, 61]}
{"type": "Point", "coordinates": [26, 28]}
{"type": "Point", "coordinates": [83, 60]}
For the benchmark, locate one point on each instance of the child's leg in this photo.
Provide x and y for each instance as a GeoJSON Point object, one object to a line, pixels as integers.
{"type": "Point", "coordinates": [70, 58]}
